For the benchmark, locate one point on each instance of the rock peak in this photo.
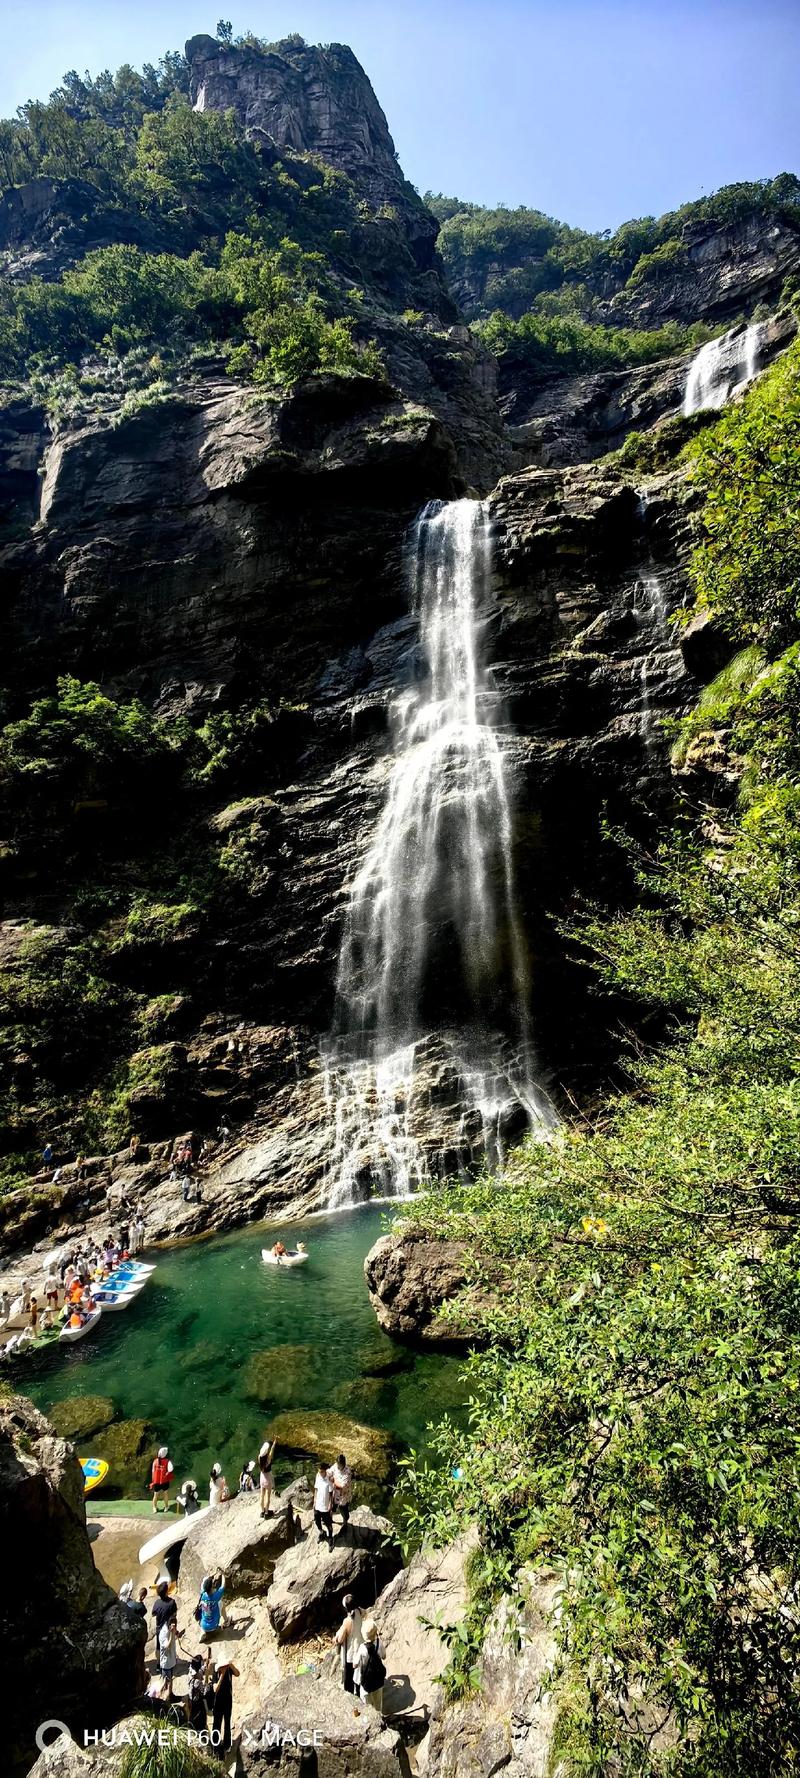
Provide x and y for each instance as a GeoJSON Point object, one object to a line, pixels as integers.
{"type": "Point", "coordinates": [315, 100]}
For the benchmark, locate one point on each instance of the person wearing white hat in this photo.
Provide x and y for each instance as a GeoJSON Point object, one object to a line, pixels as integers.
{"type": "Point", "coordinates": [187, 1499]}
{"type": "Point", "coordinates": [265, 1457]}
{"type": "Point", "coordinates": [160, 1477]}
{"type": "Point", "coordinates": [218, 1489]}
{"type": "Point", "coordinates": [246, 1483]}
{"type": "Point", "coordinates": [369, 1672]}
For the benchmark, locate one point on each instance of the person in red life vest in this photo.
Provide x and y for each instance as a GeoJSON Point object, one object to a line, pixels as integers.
{"type": "Point", "coordinates": [160, 1477]}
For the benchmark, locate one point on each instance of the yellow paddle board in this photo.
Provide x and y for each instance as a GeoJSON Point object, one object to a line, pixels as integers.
{"type": "Point", "coordinates": [95, 1470]}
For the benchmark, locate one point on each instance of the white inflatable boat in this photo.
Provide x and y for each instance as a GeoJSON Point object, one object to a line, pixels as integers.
{"type": "Point", "coordinates": [68, 1334]}
{"type": "Point", "coordinates": [297, 1258]}
{"type": "Point", "coordinates": [109, 1302]}
{"type": "Point", "coordinates": [175, 1532]}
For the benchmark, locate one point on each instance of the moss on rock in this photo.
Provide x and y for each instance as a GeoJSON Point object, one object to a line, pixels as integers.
{"type": "Point", "coordinates": [77, 1417]}
{"type": "Point", "coordinates": [371, 1453]}
{"type": "Point", "coordinates": [281, 1374]}
{"type": "Point", "coordinates": [127, 1448]}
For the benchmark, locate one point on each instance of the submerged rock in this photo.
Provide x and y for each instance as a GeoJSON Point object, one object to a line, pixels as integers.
{"type": "Point", "coordinates": [128, 1448]}
{"type": "Point", "coordinates": [353, 1742]}
{"type": "Point", "coordinates": [281, 1373]}
{"type": "Point", "coordinates": [370, 1453]}
{"type": "Point", "coordinates": [385, 1362]}
{"type": "Point", "coordinates": [360, 1393]}
{"type": "Point", "coordinates": [309, 1580]}
{"type": "Point", "coordinates": [77, 1417]}
{"type": "Point", "coordinates": [71, 1651]}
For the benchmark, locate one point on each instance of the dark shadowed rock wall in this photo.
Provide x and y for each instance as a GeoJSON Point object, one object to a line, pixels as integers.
{"type": "Point", "coordinates": [71, 1651]}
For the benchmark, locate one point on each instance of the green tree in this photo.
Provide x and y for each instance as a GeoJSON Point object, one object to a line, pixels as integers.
{"type": "Point", "coordinates": [747, 564]}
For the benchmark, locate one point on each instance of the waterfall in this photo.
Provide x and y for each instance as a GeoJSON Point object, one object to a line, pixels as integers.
{"type": "Point", "coordinates": [721, 368]}
{"type": "Point", "coordinates": [432, 938]}
{"type": "Point", "coordinates": [651, 616]}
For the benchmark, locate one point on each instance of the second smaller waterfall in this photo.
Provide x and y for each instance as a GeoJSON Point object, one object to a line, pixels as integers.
{"type": "Point", "coordinates": [721, 368]}
{"type": "Point", "coordinates": [652, 620]}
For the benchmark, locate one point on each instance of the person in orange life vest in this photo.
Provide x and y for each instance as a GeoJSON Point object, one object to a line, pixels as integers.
{"type": "Point", "coordinates": [160, 1477]}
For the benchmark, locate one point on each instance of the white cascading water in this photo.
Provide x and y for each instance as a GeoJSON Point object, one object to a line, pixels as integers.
{"type": "Point", "coordinates": [651, 616]}
{"type": "Point", "coordinates": [721, 368]}
{"type": "Point", "coordinates": [437, 873]}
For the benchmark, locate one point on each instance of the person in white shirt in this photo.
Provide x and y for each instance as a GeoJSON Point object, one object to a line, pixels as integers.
{"type": "Point", "coordinates": [348, 1640]}
{"type": "Point", "coordinates": [218, 1489]}
{"type": "Point", "coordinates": [168, 1655]}
{"type": "Point", "coordinates": [340, 1476]}
{"type": "Point", "coordinates": [323, 1497]}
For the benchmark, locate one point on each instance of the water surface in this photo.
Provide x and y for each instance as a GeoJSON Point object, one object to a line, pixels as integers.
{"type": "Point", "coordinates": [217, 1343]}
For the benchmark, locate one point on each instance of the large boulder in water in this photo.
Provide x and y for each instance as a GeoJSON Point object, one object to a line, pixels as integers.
{"type": "Point", "coordinates": [71, 1651]}
{"type": "Point", "coordinates": [235, 1541]}
{"type": "Point", "coordinates": [370, 1453]}
{"type": "Point", "coordinates": [349, 1739]}
{"type": "Point", "coordinates": [309, 1580]}
{"type": "Point", "coordinates": [409, 1278]}
{"type": "Point", "coordinates": [78, 1417]}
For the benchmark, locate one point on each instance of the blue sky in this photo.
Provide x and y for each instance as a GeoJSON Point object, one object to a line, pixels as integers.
{"type": "Point", "coordinates": [593, 112]}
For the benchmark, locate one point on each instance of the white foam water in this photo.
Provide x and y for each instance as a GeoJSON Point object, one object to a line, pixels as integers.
{"type": "Point", "coordinates": [439, 862]}
{"type": "Point", "coordinates": [721, 368]}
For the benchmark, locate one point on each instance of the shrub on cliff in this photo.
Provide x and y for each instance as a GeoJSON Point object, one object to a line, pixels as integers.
{"type": "Point", "coordinates": [221, 243]}
{"type": "Point", "coordinates": [508, 259]}
{"type": "Point", "coordinates": [78, 743]}
{"type": "Point", "coordinates": [664, 261]}
{"type": "Point", "coordinates": [747, 565]}
{"type": "Point", "coordinates": [637, 1416]}
{"type": "Point", "coordinates": [550, 341]}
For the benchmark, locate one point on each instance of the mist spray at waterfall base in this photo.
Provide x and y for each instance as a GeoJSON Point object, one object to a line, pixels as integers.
{"type": "Point", "coordinates": [432, 988]}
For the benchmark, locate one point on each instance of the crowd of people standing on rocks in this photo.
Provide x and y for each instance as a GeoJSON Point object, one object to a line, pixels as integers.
{"type": "Point", "coordinates": [208, 1703]}
{"type": "Point", "coordinates": [333, 1488]}
{"type": "Point", "coordinates": [208, 1700]}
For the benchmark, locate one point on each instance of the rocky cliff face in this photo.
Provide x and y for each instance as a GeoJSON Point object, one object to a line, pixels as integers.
{"type": "Point", "coordinates": [221, 548]}
{"type": "Point", "coordinates": [218, 550]}
{"type": "Point", "coordinates": [71, 1651]}
{"type": "Point", "coordinates": [317, 101]}
{"type": "Point", "coordinates": [721, 272]}
{"type": "Point", "coordinates": [724, 273]}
